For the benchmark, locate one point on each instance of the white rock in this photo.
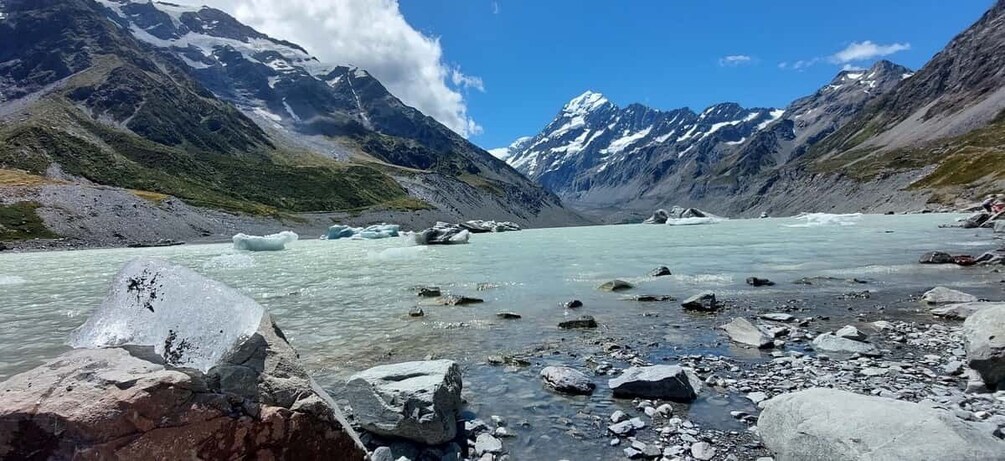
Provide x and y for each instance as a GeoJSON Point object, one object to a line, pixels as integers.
{"type": "Point", "coordinates": [943, 295]}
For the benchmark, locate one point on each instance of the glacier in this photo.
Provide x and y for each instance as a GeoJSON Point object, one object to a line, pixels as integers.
{"type": "Point", "coordinates": [190, 320]}
{"type": "Point", "coordinates": [273, 242]}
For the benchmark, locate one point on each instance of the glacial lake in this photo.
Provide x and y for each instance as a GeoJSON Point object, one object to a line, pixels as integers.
{"type": "Point", "coordinates": [344, 304]}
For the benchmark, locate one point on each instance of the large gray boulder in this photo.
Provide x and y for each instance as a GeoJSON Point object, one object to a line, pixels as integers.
{"type": "Point", "coordinates": [703, 302]}
{"type": "Point", "coordinates": [830, 342]}
{"type": "Point", "coordinates": [740, 330]}
{"type": "Point", "coordinates": [961, 311]}
{"type": "Point", "coordinates": [567, 380]}
{"type": "Point", "coordinates": [127, 399]}
{"type": "Point", "coordinates": [668, 382]}
{"type": "Point", "coordinates": [984, 335]}
{"type": "Point", "coordinates": [943, 295]}
{"type": "Point", "coordinates": [417, 401]}
{"type": "Point", "coordinates": [828, 424]}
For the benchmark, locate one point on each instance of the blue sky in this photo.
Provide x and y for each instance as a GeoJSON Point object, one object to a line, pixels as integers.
{"type": "Point", "coordinates": [532, 56]}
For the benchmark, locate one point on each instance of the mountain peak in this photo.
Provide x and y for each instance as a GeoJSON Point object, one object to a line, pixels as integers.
{"type": "Point", "coordinates": [585, 103]}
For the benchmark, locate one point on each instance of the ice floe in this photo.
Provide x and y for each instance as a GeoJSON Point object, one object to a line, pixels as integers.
{"type": "Point", "coordinates": [827, 219]}
{"type": "Point", "coordinates": [378, 231]}
{"type": "Point", "coordinates": [274, 242]}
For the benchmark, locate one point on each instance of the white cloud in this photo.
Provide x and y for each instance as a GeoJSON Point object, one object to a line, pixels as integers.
{"type": "Point", "coordinates": [495, 8]}
{"type": "Point", "coordinates": [862, 51]}
{"type": "Point", "coordinates": [374, 35]}
{"type": "Point", "coordinates": [852, 67]}
{"type": "Point", "coordinates": [735, 60]}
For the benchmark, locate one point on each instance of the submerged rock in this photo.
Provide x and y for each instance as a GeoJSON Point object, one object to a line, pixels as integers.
{"type": "Point", "coordinates": [567, 380]}
{"type": "Point", "coordinates": [831, 424]}
{"type": "Point", "coordinates": [648, 298]}
{"type": "Point", "coordinates": [943, 295]}
{"type": "Point", "coordinates": [740, 330]}
{"type": "Point", "coordinates": [585, 321]}
{"type": "Point", "coordinates": [416, 312]}
{"type": "Point", "coordinates": [830, 342]}
{"type": "Point", "coordinates": [984, 335]}
{"type": "Point", "coordinates": [661, 271]}
{"type": "Point", "coordinates": [615, 285]}
{"type": "Point", "coordinates": [668, 382]}
{"type": "Point", "coordinates": [705, 302]}
{"type": "Point", "coordinates": [508, 315]}
{"type": "Point", "coordinates": [274, 242]}
{"type": "Point", "coordinates": [418, 401]}
{"type": "Point", "coordinates": [755, 281]}
{"type": "Point", "coordinates": [428, 292]}
{"type": "Point", "coordinates": [936, 257]}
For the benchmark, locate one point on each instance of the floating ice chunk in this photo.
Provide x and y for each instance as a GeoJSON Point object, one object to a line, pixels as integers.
{"type": "Point", "coordinates": [11, 280]}
{"type": "Point", "coordinates": [377, 231]}
{"type": "Point", "coordinates": [442, 234]}
{"type": "Point", "coordinates": [398, 253]}
{"type": "Point", "coordinates": [827, 219]}
{"type": "Point", "coordinates": [274, 242]}
{"type": "Point", "coordinates": [190, 320]}
{"type": "Point", "coordinates": [693, 221]}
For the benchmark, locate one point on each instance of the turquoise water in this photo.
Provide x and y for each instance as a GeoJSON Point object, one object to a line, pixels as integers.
{"type": "Point", "coordinates": [344, 304]}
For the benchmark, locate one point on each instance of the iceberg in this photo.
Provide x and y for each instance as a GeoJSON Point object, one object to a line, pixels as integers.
{"type": "Point", "coordinates": [190, 320]}
{"type": "Point", "coordinates": [274, 242]}
{"type": "Point", "coordinates": [827, 219]}
{"type": "Point", "coordinates": [378, 231]}
{"type": "Point", "coordinates": [443, 234]}
{"type": "Point", "coordinates": [692, 221]}
{"type": "Point", "coordinates": [479, 226]}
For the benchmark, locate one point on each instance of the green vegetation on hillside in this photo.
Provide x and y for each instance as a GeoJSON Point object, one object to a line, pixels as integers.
{"type": "Point", "coordinates": [20, 221]}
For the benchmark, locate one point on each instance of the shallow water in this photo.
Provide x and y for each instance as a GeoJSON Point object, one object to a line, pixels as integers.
{"type": "Point", "coordinates": [344, 304]}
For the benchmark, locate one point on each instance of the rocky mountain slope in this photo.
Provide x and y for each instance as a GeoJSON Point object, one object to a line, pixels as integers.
{"type": "Point", "coordinates": [190, 103]}
{"type": "Point", "coordinates": [881, 139]}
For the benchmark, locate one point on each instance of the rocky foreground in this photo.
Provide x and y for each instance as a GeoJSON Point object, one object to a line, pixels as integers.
{"type": "Point", "coordinates": [175, 365]}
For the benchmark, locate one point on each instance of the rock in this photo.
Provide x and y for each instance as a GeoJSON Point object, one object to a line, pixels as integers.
{"type": "Point", "coordinates": [648, 298]}
{"type": "Point", "coordinates": [999, 227]}
{"type": "Point", "coordinates": [661, 271]}
{"type": "Point", "coordinates": [668, 382]}
{"type": "Point", "coordinates": [508, 315]}
{"type": "Point", "coordinates": [831, 424]}
{"type": "Point", "coordinates": [456, 300]}
{"type": "Point", "coordinates": [852, 333]}
{"type": "Point", "coordinates": [573, 304]}
{"type": "Point", "coordinates": [585, 321]}
{"type": "Point", "coordinates": [830, 342]}
{"type": "Point", "coordinates": [881, 325]}
{"type": "Point", "coordinates": [615, 285]}
{"type": "Point", "coordinates": [701, 302]}
{"type": "Point", "coordinates": [567, 380]}
{"type": "Point", "coordinates": [757, 397]}
{"type": "Point", "coordinates": [659, 217]}
{"type": "Point", "coordinates": [418, 401]}
{"type": "Point", "coordinates": [740, 330]}
{"type": "Point", "coordinates": [943, 295]}
{"type": "Point", "coordinates": [936, 257]}
{"type": "Point", "coordinates": [127, 403]}
{"type": "Point", "coordinates": [486, 443]}
{"type": "Point", "coordinates": [823, 280]}
{"type": "Point", "coordinates": [382, 454]}
{"type": "Point", "coordinates": [778, 317]}
{"type": "Point", "coordinates": [984, 335]}
{"type": "Point", "coordinates": [702, 451]}
{"type": "Point", "coordinates": [428, 292]}
{"type": "Point", "coordinates": [618, 416]}
{"type": "Point", "coordinates": [962, 311]}
{"type": "Point", "coordinates": [758, 282]}
{"type": "Point", "coordinates": [416, 312]}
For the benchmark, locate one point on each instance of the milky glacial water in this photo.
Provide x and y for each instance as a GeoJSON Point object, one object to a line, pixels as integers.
{"type": "Point", "coordinates": [343, 304]}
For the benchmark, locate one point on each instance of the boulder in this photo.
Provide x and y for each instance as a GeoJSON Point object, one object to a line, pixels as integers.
{"type": "Point", "coordinates": [567, 380]}
{"type": "Point", "coordinates": [585, 321]}
{"type": "Point", "coordinates": [975, 221]}
{"type": "Point", "coordinates": [828, 424]}
{"type": "Point", "coordinates": [509, 315]}
{"type": "Point", "coordinates": [961, 311]}
{"type": "Point", "coordinates": [418, 401]}
{"type": "Point", "coordinates": [416, 312]}
{"type": "Point", "coordinates": [661, 271]}
{"type": "Point", "coordinates": [829, 342]}
{"type": "Point", "coordinates": [778, 317]}
{"type": "Point", "coordinates": [740, 330]}
{"type": "Point", "coordinates": [759, 282]}
{"type": "Point", "coordinates": [573, 304]}
{"type": "Point", "coordinates": [128, 403]}
{"type": "Point", "coordinates": [705, 302]}
{"type": "Point", "coordinates": [852, 333]}
{"type": "Point", "coordinates": [943, 295]}
{"type": "Point", "coordinates": [428, 292]}
{"type": "Point", "coordinates": [667, 382]}
{"type": "Point", "coordinates": [658, 217]}
{"type": "Point", "coordinates": [984, 335]}
{"type": "Point", "coordinates": [936, 257]}
{"type": "Point", "coordinates": [615, 285]}
{"type": "Point", "coordinates": [457, 300]}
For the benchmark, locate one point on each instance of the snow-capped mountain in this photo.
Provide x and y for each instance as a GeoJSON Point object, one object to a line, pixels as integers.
{"type": "Point", "coordinates": [592, 142]}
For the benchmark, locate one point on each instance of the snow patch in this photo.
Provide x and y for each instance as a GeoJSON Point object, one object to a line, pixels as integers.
{"type": "Point", "coordinates": [620, 144]}
{"type": "Point", "coordinates": [774, 115]}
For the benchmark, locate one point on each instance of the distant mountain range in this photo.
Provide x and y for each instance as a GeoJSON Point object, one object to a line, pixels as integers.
{"type": "Point", "coordinates": [879, 139]}
{"type": "Point", "coordinates": [189, 102]}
